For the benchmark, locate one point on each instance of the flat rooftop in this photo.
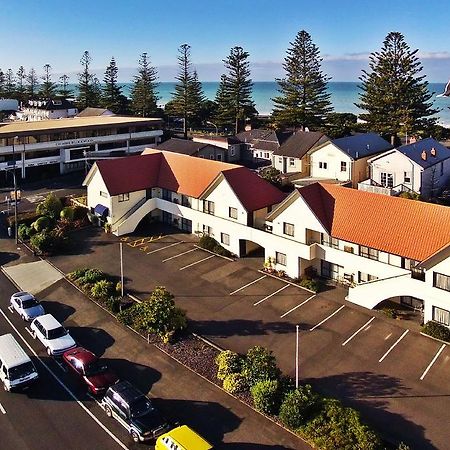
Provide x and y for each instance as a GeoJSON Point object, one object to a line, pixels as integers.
{"type": "Point", "coordinates": [77, 123]}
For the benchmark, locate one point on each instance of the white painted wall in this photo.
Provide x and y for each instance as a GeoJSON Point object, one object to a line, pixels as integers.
{"type": "Point", "coordinates": [278, 163]}
{"type": "Point", "coordinates": [95, 186]}
{"type": "Point", "coordinates": [332, 156]}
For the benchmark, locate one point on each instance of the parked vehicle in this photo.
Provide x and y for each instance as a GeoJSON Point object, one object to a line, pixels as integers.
{"type": "Point", "coordinates": [134, 411]}
{"type": "Point", "coordinates": [26, 305]}
{"type": "Point", "coordinates": [182, 438]}
{"type": "Point", "coordinates": [52, 334]}
{"type": "Point", "coordinates": [16, 368]}
{"type": "Point", "coordinates": [91, 370]}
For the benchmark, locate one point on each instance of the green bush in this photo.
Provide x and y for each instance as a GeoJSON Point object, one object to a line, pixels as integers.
{"type": "Point", "coordinates": [403, 446]}
{"type": "Point", "coordinates": [67, 213]}
{"type": "Point", "coordinates": [266, 396]}
{"type": "Point", "coordinates": [437, 331]}
{"type": "Point", "coordinates": [41, 224]}
{"type": "Point", "coordinates": [118, 288]}
{"type": "Point", "coordinates": [207, 242]}
{"type": "Point", "coordinates": [128, 316]}
{"type": "Point", "coordinates": [338, 427]}
{"type": "Point", "coordinates": [24, 232]}
{"type": "Point", "coordinates": [113, 304]}
{"type": "Point", "coordinates": [234, 383]}
{"type": "Point", "coordinates": [43, 241]}
{"type": "Point", "coordinates": [297, 406]}
{"type": "Point", "coordinates": [310, 284]}
{"type": "Point", "coordinates": [79, 213]}
{"type": "Point", "coordinates": [260, 364]}
{"type": "Point", "coordinates": [102, 289]}
{"type": "Point", "coordinates": [92, 276]}
{"type": "Point", "coordinates": [222, 251]}
{"type": "Point", "coordinates": [228, 362]}
{"type": "Point", "coordinates": [77, 274]}
{"type": "Point", "coordinates": [390, 312]}
{"type": "Point", "coordinates": [50, 207]}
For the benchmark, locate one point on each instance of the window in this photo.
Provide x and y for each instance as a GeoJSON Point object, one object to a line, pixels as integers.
{"type": "Point", "coordinates": [323, 165]}
{"type": "Point", "coordinates": [280, 160]}
{"type": "Point", "coordinates": [330, 241]}
{"type": "Point", "coordinates": [387, 179]}
{"type": "Point", "coordinates": [412, 302]}
{"type": "Point", "coordinates": [367, 252]}
{"type": "Point", "coordinates": [441, 316]}
{"type": "Point", "coordinates": [208, 207]}
{"type": "Point", "coordinates": [406, 177]}
{"type": "Point", "coordinates": [291, 162]}
{"type": "Point", "coordinates": [364, 277]}
{"type": "Point", "coordinates": [288, 229]}
{"type": "Point", "coordinates": [211, 156]}
{"type": "Point", "coordinates": [266, 155]}
{"type": "Point", "coordinates": [441, 281]}
{"type": "Point", "coordinates": [417, 273]}
{"type": "Point", "coordinates": [232, 212]}
{"type": "Point", "coordinates": [185, 201]}
{"type": "Point", "coordinates": [442, 168]}
{"type": "Point", "coordinates": [219, 157]}
{"type": "Point", "coordinates": [225, 238]}
{"type": "Point", "coordinates": [408, 263]}
{"type": "Point", "coordinates": [124, 197]}
{"type": "Point", "coordinates": [343, 166]}
{"type": "Point", "coordinates": [103, 194]}
{"type": "Point", "coordinates": [207, 230]}
{"type": "Point", "coordinates": [232, 151]}
{"type": "Point", "coordinates": [166, 195]}
{"type": "Point", "coordinates": [280, 258]}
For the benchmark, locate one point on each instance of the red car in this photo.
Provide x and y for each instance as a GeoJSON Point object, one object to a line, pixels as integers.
{"type": "Point", "coordinates": [90, 369]}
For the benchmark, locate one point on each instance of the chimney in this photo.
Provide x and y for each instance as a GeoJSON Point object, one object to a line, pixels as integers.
{"type": "Point", "coordinates": [433, 151]}
{"type": "Point", "coordinates": [356, 155]}
{"type": "Point", "coordinates": [424, 155]}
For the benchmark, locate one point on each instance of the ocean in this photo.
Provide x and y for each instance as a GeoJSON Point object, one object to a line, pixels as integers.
{"type": "Point", "coordinates": [344, 95]}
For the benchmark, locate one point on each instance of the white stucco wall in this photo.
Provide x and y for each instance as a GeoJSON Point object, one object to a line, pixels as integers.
{"type": "Point", "coordinates": [332, 156]}
{"type": "Point", "coordinates": [94, 188]}
{"type": "Point", "coordinates": [119, 209]}
{"type": "Point", "coordinates": [278, 163]}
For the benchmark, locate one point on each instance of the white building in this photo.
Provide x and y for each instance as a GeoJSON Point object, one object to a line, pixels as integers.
{"type": "Point", "coordinates": [422, 167]}
{"type": "Point", "coordinates": [382, 247]}
{"type": "Point", "coordinates": [47, 109]}
{"type": "Point", "coordinates": [64, 145]}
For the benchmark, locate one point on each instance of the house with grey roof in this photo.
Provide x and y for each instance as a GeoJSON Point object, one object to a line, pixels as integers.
{"type": "Point", "coordinates": [292, 156]}
{"type": "Point", "coordinates": [191, 148]}
{"type": "Point", "coordinates": [422, 167]}
{"type": "Point", "coordinates": [230, 145]}
{"type": "Point", "coordinates": [345, 159]}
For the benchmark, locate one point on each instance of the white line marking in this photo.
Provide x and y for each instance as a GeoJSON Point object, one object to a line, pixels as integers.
{"type": "Point", "coordinates": [388, 336]}
{"type": "Point", "coordinates": [3, 410]}
{"type": "Point", "coordinates": [100, 424]}
{"type": "Point", "coordinates": [271, 295]}
{"type": "Point", "coordinates": [29, 332]}
{"type": "Point", "coordinates": [326, 318]}
{"type": "Point", "coordinates": [180, 254]}
{"type": "Point", "coordinates": [356, 332]}
{"type": "Point", "coordinates": [197, 262]}
{"type": "Point", "coordinates": [393, 345]}
{"type": "Point", "coordinates": [298, 306]}
{"type": "Point", "coordinates": [248, 284]}
{"type": "Point", "coordinates": [11, 309]}
{"type": "Point", "coordinates": [167, 246]}
{"type": "Point", "coordinates": [93, 398]}
{"type": "Point", "coordinates": [436, 356]}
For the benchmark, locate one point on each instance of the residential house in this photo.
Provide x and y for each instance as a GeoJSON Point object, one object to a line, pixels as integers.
{"type": "Point", "coordinates": [422, 167]}
{"type": "Point", "coordinates": [230, 145]}
{"type": "Point", "coordinates": [192, 148]}
{"type": "Point", "coordinates": [47, 109]}
{"type": "Point", "coordinates": [345, 159]}
{"type": "Point", "coordinates": [292, 156]}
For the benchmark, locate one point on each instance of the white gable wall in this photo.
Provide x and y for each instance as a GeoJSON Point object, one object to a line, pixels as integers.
{"type": "Point", "coordinates": [331, 156]}
{"type": "Point", "coordinates": [97, 192]}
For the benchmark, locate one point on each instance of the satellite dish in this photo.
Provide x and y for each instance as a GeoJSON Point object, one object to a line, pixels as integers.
{"type": "Point", "coordinates": [446, 92]}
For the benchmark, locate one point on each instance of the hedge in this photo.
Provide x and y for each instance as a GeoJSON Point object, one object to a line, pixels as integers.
{"type": "Point", "coordinates": [234, 383]}
{"type": "Point", "coordinates": [260, 364]}
{"type": "Point", "coordinates": [437, 331]}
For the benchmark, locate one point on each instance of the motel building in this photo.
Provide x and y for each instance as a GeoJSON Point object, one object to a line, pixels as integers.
{"type": "Point", "coordinates": [53, 147]}
{"type": "Point", "coordinates": [381, 247]}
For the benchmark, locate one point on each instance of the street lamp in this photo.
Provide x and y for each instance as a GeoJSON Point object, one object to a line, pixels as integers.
{"type": "Point", "coordinates": [214, 125]}
{"type": "Point", "coordinates": [296, 356]}
{"type": "Point", "coordinates": [15, 192]}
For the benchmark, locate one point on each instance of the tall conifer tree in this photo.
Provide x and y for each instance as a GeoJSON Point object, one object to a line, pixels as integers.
{"type": "Point", "coordinates": [87, 95]}
{"type": "Point", "coordinates": [48, 87]}
{"type": "Point", "coordinates": [303, 100]}
{"type": "Point", "coordinates": [2, 83]}
{"type": "Point", "coordinates": [32, 84]}
{"type": "Point", "coordinates": [9, 89]}
{"type": "Point", "coordinates": [224, 114]}
{"type": "Point", "coordinates": [395, 97]}
{"type": "Point", "coordinates": [21, 89]}
{"type": "Point", "coordinates": [111, 92]}
{"type": "Point", "coordinates": [64, 90]}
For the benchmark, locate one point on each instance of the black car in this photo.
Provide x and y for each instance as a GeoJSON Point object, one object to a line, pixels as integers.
{"type": "Point", "coordinates": [134, 411]}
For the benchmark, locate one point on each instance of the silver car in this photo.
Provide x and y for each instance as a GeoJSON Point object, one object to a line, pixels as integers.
{"type": "Point", "coordinates": [26, 305]}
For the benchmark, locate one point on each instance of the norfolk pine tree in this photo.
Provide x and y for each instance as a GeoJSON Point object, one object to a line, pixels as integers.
{"type": "Point", "coordinates": [394, 95]}
{"type": "Point", "coordinates": [9, 87]}
{"type": "Point", "coordinates": [111, 92]}
{"type": "Point", "coordinates": [2, 82]}
{"type": "Point", "coordinates": [32, 84]}
{"type": "Point", "coordinates": [143, 93]}
{"type": "Point", "coordinates": [64, 90]}
{"type": "Point", "coordinates": [21, 89]}
{"type": "Point", "coordinates": [304, 100]}
{"type": "Point", "coordinates": [48, 88]}
{"type": "Point", "coordinates": [87, 95]}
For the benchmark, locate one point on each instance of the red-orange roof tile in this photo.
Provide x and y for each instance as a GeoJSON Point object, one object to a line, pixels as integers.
{"type": "Point", "coordinates": [403, 227]}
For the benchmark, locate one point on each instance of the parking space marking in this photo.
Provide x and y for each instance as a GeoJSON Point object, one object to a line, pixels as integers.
{"type": "Point", "coordinates": [248, 284]}
{"type": "Point", "coordinates": [11, 310]}
{"type": "Point", "coordinates": [298, 306]}
{"type": "Point", "coordinates": [327, 318]}
{"type": "Point", "coordinates": [436, 356]}
{"type": "Point", "coordinates": [388, 336]}
{"type": "Point", "coordinates": [60, 365]}
{"type": "Point", "coordinates": [271, 295]}
{"type": "Point", "coordinates": [29, 332]}
{"type": "Point", "coordinates": [357, 331]}
{"type": "Point", "coordinates": [180, 254]}
{"type": "Point", "coordinates": [197, 262]}
{"type": "Point", "coordinates": [3, 410]}
{"type": "Point", "coordinates": [167, 246]}
{"type": "Point", "coordinates": [393, 345]}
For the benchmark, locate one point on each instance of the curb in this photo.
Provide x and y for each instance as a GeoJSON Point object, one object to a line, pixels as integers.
{"type": "Point", "coordinates": [435, 339]}
{"type": "Point", "coordinates": [286, 281]}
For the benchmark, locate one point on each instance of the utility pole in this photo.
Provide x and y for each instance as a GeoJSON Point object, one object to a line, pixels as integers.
{"type": "Point", "coordinates": [121, 268]}
{"type": "Point", "coordinates": [296, 356]}
{"type": "Point", "coordinates": [16, 228]}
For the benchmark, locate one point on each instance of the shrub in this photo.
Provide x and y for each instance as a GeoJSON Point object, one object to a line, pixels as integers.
{"type": "Point", "coordinates": [24, 232]}
{"type": "Point", "coordinates": [234, 383]}
{"type": "Point", "coordinates": [79, 213]}
{"type": "Point", "coordinates": [67, 213]}
{"type": "Point", "coordinates": [310, 284]}
{"type": "Point", "coordinates": [128, 316]}
{"type": "Point", "coordinates": [41, 224]}
{"type": "Point", "coordinates": [339, 427]}
{"type": "Point", "coordinates": [113, 304]}
{"type": "Point", "coordinates": [102, 289]}
{"type": "Point", "coordinates": [228, 362]}
{"type": "Point", "coordinates": [266, 396]}
{"type": "Point", "coordinates": [437, 331]}
{"type": "Point", "coordinates": [77, 274]}
{"type": "Point", "coordinates": [43, 241]}
{"type": "Point", "coordinates": [260, 364]}
{"type": "Point", "coordinates": [92, 276]}
{"type": "Point", "coordinates": [221, 251]}
{"type": "Point", "coordinates": [50, 207]}
{"type": "Point", "coordinates": [118, 288]}
{"type": "Point", "coordinates": [390, 312]}
{"type": "Point", "coordinates": [207, 242]}
{"type": "Point", "coordinates": [403, 446]}
{"type": "Point", "coordinates": [298, 406]}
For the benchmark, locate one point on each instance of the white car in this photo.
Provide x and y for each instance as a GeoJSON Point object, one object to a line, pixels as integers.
{"type": "Point", "coordinates": [52, 334]}
{"type": "Point", "coordinates": [26, 305]}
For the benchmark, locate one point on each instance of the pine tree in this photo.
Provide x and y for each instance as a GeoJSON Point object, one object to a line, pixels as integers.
{"type": "Point", "coordinates": [394, 95]}
{"type": "Point", "coordinates": [304, 100]}
{"type": "Point", "coordinates": [111, 91]}
{"type": "Point", "coordinates": [87, 95]}
{"type": "Point", "coordinates": [237, 88]}
{"type": "Point", "coordinates": [9, 89]}
{"type": "Point", "coordinates": [21, 89]}
{"type": "Point", "coordinates": [96, 91]}
{"type": "Point", "coordinates": [223, 116]}
{"type": "Point", "coordinates": [48, 88]}
{"type": "Point", "coordinates": [2, 83]}
{"type": "Point", "coordinates": [64, 90]}
{"type": "Point", "coordinates": [143, 93]}
{"type": "Point", "coordinates": [32, 84]}
{"type": "Point", "coordinates": [197, 99]}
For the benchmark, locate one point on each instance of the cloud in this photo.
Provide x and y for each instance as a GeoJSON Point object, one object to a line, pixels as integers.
{"type": "Point", "coordinates": [433, 55]}
{"type": "Point", "coordinates": [362, 56]}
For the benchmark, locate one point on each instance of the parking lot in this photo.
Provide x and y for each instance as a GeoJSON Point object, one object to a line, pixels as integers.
{"type": "Point", "coordinates": [396, 377]}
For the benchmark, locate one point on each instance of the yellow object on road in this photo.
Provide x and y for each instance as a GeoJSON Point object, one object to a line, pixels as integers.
{"type": "Point", "coordinates": [182, 438]}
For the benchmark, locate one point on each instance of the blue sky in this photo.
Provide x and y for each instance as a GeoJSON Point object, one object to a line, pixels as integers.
{"type": "Point", "coordinates": [34, 33]}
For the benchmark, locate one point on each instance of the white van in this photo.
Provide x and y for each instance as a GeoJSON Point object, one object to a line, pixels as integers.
{"type": "Point", "coordinates": [16, 367]}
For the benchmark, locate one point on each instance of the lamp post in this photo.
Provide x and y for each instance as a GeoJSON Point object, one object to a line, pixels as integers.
{"type": "Point", "coordinates": [15, 192]}
{"type": "Point", "coordinates": [214, 125]}
{"type": "Point", "coordinates": [121, 269]}
{"type": "Point", "coordinates": [296, 356]}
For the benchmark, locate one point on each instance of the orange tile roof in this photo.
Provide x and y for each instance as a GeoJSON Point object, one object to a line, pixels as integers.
{"type": "Point", "coordinates": [186, 175]}
{"type": "Point", "coordinates": [403, 227]}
